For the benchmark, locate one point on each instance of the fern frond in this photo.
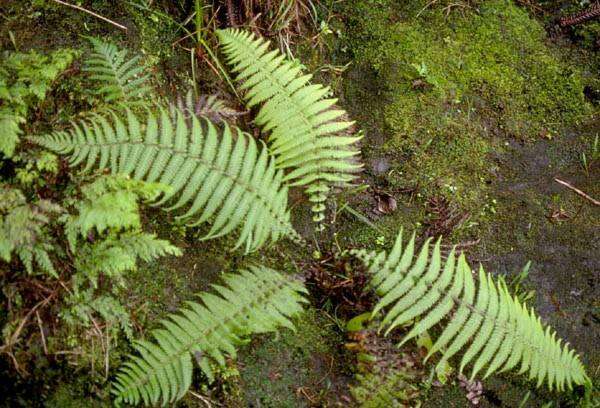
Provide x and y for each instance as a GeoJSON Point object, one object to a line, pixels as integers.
{"type": "Point", "coordinates": [22, 230]}
{"type": "Point", "coordinates": [502, 331]}
{"type": "Point", "coordinates": [121, 79]}
{"type": "Point", "coordinates": [303, 122]}
{"type": "Point", "coordinates": [116, 254]}
{"type": "Point", "coordinates": [225, 178]}
{"type": "Point", "coordinates": [10, 131]}
{"type": "Point", "coordinates": [257, 300]}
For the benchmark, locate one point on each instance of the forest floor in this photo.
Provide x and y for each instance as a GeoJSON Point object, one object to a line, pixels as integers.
{"type": "Point", "coordinates": [468, 119]}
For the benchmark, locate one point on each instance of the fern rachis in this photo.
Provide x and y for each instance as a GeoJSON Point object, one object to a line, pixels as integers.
{"type": "Point", "coordinates": [502, 332]}
{"type": "Point", "coordinates": [225, 177]}
{"type": "Point", "coordinates": [257, 300]}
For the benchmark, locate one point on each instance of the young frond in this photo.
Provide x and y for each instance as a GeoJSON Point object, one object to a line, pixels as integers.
{"type": "Point", "coordinates": [304, 124]}
{"type": "Point", "coordinates": [226, 177]}
{"type": "Point", "coordinates": [257, 300]}
{"type": "Point", "coordinates": [501, 330]}
{"type": "Point", "coordinates": [121, 79]}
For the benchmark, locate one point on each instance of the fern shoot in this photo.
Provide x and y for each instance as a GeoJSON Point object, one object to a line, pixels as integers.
{"type": "Point", "coordinates": [226, 177]}
{"type": "Point", "coordinates": [121, 79]}
{"type": "Point", "coordinates": [257, 300]}
{"type": "Point", "coordinates": [502, 331]}
{"type": "Point", "coordinates": [304, 124]}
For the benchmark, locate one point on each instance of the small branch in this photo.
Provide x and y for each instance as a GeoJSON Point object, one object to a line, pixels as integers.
{"type": "Point", "coordinates": [202, 398]}
{"type": "Point", "coordinates": [578, 191]}
{"type": "Point", "coordinates": [39, 321]}
{"type": "Point", "coordinates": [122, 27]}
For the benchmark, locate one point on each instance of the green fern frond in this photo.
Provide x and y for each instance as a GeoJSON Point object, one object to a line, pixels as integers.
{"type": "Point", "coordinates": [10, 131]}
{"type": "Point", "coordinates": [257, 300]}
{"type": "Point", "coordinates": [225, 178]}
{"type": "Point", "coordinates": [501, 330]}
{"type": "Point", "coordinates": [121, 79]}
{"type": "Point", "coordinates": [116, 254]}
{"type": "Point", "coordinates": [109, 203]}
{"type": "Point", "coordinates": [22, 230]}
{"type": "Point", "coordinates": [304, 124]}
{"type": "Point", "coordinates": [382, 389]}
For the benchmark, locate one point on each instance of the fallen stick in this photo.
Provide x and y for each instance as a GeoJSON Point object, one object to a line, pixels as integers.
{"type": "Point", "coordinates": [578, 191]}
{"type": "Point", "coordinates": [75, 6]}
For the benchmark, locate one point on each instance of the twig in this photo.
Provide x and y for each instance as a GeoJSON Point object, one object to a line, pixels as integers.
{"type": "Point", "coordinates": [15, 335]}
{"type": "Point", "coordinates": [578, 191]}
{"type": "Point", "coordinates": [106, 356]}
{"type": "Point", "coordinates": [39, 321]}
{"type": "Point", "coordinates": [122, 27]}
{"type": "Point", "coordinates": [202, 398]}
{"type": "Point", "coordinates": [432, 2]}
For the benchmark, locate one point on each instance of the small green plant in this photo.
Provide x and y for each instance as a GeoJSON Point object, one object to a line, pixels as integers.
{"type": "Point", "coordinates": [24, 230]}
{"type": "Point", "coordinates": [25, 79]}
{"type": "Point", "coordinates": [38, 166]}
{"type": "Point", "coordinates": [377, 390]}
{"type": "Point", "coordinates": [106, 240]}
{"type": "Point", "coordinates": [588, 162]}
{"type": "Point", "coordinates": [105, 234]}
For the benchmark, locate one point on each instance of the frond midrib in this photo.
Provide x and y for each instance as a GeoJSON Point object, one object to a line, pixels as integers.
{"type": "Point", "coordinates": [247, 187]}
{"type": "Point", "coordinates": [209, 331]}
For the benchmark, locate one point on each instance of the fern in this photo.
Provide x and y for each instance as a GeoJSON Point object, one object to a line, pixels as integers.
{"type": "Point", "coordinates": [22, 230]}
{"type": "Point", "coordinates": [257, 300]}
{"type": "Point", "coordinates": [105, 236]}
{"type": "Point", "coordinates": [110, 203]}
{"type": "Point", "coordinates": [304, 124]}
{"type": "Point", "coordinates": [122, 79]}
{"type": "Point", "coordinates": [502, 330]}
{"type": "Point", "coordinates": [10, 130]}
{"type": "Point", "coordinates": [228, 179]}
{"type": "Point", "coordinates": [382, 389]}
{"type": "Point", "coordinates": [25, 79]}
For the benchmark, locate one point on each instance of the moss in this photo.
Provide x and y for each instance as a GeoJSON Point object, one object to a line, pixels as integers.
{"type": "Point", "coordinates": [498, 54]}
{"type": "Point", "coordinates": [291, 368]}
{"type": "Point", "coordinates": [451, 89]}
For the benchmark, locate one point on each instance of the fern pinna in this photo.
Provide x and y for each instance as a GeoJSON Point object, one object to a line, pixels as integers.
{"type": "Point", "coordinates": [225, 178]}
{"type": "Point", "coordinates": [304, 125]}
{"type": "Point", "coordinates": [122, 79]}
{"type": "Point", "coordinates": [502, 331]}
{"type": "Point", "coordinates": [257, 300]}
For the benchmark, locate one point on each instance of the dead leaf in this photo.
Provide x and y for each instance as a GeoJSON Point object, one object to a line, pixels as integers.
{"type": "Point", "coordinates": [386, 203]}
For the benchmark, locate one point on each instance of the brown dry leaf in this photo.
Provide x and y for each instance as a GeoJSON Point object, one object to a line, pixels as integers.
{"type": "Point", "coordinates": [386, 203]}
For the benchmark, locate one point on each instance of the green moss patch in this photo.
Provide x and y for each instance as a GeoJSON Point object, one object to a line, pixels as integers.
{"type": "Point", "coordinates": [453, 88]}
{"type": "Point", "coordinates": [294, 369]}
